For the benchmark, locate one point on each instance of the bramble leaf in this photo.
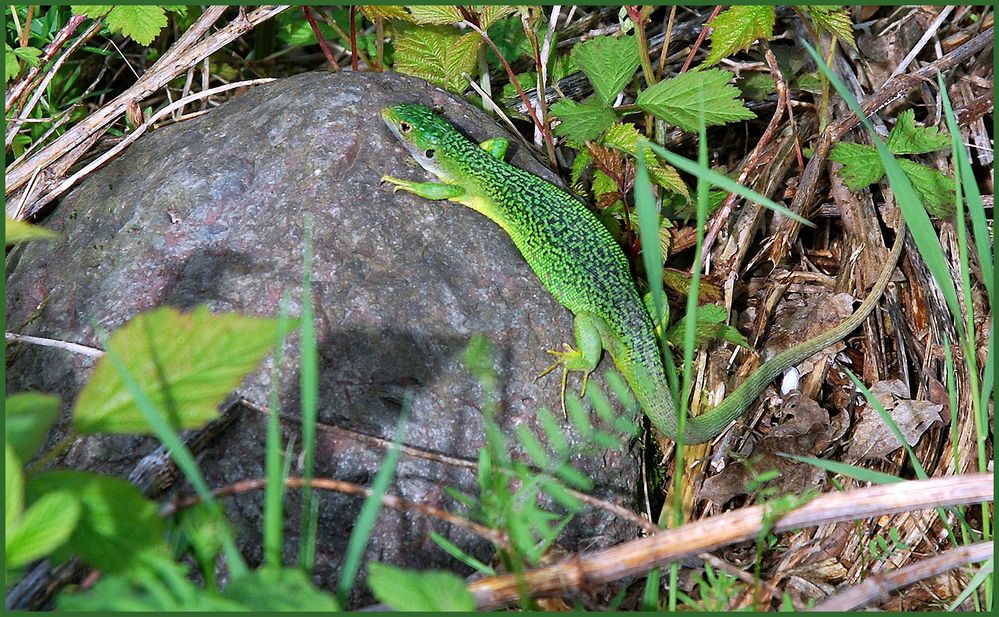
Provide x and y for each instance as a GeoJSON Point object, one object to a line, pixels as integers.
{"type": "Point", "coordinates": [834, 19]}
{"type": "Point", "coordinates": [27, 418]}
{"type": "Point", "coordinates": [30, 55]}
{"type": "Point", "coordinates": [609, 63]}
{"type": "Point", "coordinates": [11, 66]}
{"type": "Point", "coordinates": [907, 138]}
{"type": "Point", "coordinates": [676, 100]}
{"type": "Point", "coordinates": [624, 137]}
{"type": "Point", "coordinates": [42, 528]}
{"type": "Point", "coordinates": [438, 15]}
{"type": "Point", "coordinates": [737, 28]}
{"type": "Point", "coordinates": [437, 54]}
{"type": "Point", "coordinates": [861, 164]}
{"type": "Point", "coordinates": [936, 190]}
{"type": "Point", "coordinates": [140, 23]}
{"type": "Point", "coordinates": [582, 122]}
{"type": "Point", "coordinates": [186, 362]}
{"type": "Point", "coordinates": [492, 13]}
{"type": "Point", "coordinates": [386, 11]}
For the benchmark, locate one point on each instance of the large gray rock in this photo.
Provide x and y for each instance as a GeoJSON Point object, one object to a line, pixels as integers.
{"type": "Point", "coordinates": [211, 212]}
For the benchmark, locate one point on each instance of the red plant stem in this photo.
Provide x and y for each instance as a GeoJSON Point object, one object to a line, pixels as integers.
{"type": "Point", "coordinates": [700, 39]}
{"type": "Point", "coordinates": [320, 38]}
{"type": "Point", "coordinates": [353, 38]}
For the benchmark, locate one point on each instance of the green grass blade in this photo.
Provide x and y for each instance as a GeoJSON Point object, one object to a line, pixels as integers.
{"type": "Point", "coordinates": [716, 179]}
{"type": "Point", "coordinates": [372, 506]}
{"type": "Point", "coordinates": [851, 471]}
{"type": "Point", "coordinates": [274, 493]}
{"type": "Point", "coordinates": [648, 231]}
{"type": "Point", "coordinates": [976, 581]}
{"type": "Point", "coordinates": [309, 393]}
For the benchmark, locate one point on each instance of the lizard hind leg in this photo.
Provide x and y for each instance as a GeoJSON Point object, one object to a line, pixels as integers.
{"type": "Point", "coordinates": [583, 358]}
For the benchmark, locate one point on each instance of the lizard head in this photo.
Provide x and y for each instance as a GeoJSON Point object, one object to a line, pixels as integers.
{"type": "Point", "coordinates": [424, 134]}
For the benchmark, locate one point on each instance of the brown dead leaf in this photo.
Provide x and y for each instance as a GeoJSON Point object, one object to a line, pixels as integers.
{"type": "Point", "coordinates": [613, 163]}
{"type": "Point", "coordinates": [873, 439]}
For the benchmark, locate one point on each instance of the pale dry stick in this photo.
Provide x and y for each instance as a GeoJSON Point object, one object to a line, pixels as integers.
{"type": "Point", "coordinates": [347, 488]}
{"type": "Point", "coordinates": [639, 556]}
{"type": "Point", "coordinates": [18, 89]}
{"type": "Point", "coordinates": [39, 92]}
{"type": "Point", "coordinates": [918, 47]}
{"type": "Point", "coordinates": [496, 108]}
{"type": "Point", "coordinates": [189, 49]}
{"type": "Point", "coordinates": [69, 182]}
{"type": "Point", "coordinates": [880, 585]}
{"type": "Point", "coordinates": [93, 352]}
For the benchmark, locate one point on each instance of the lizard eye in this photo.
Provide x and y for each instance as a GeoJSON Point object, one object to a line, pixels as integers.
{"type": "Point", "coordinates": [429, 154]}
{"type": "Point", "coordinates": [405, 127]}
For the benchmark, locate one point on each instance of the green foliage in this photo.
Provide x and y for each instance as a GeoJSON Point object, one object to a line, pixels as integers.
{"type": "Point", "coordinates": [736, 28]}
{"type": "Point", "coordinates": [676, 100]}
{"type": "Point", "coordinates": [187, 362]}
{"type": "Point", "coordinates": [582, 122]}
{"type": "Point", "coordinates": [406, 590]}
{"type": "Point", "coordinates": [117, 524]}
{"type": "Point", "coordinates": [27, 418]}
{"type": "Point", "coordinates": [879, 547]}
{"type": "Point", "coordinates": [431, 14]}
{"type": "Point", "coordinates": [711, 325]}
{"type": "Point", "coordinates": [716, 590]}
{"type": "Point", "coordinates": [14, 56]}
{"type": "Point", "coordinates": [833, 19]}
{"type": "Point", "coordinates": [624, 137]}
{"type": "Point", "coordinates": [19, 231]}
{"type": "Point", "coordinates": [862, 164]}
{"type": "Point", "coordinates": [609, 63]}
{"type": "Point", "coordinates": [438, 54]}
{"type": "Point", "coordinates": [41, 529]}
{"type": "Point", "coordinates": [142, 24]}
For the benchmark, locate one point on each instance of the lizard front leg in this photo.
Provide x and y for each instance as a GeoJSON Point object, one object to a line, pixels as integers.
{"type": "Point", "coordinates": [436, 191]}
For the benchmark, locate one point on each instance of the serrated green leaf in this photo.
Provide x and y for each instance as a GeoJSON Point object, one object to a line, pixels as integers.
{"type": "Point", "coordinates": [11, 66]}
{"type": "Point", "coordinates": [624, 137]}
{"type": "Point", "coordinates": [861, 164]}
{"type": "Point", "coordinates": [437, 54]}
{"type": "Point", "coordinates": [30, 55]}
{"type": "Point", "coordinates": [27, 418]}
{"type": "Point", "coordinates": [19, 231]}
{"type": "Point", "coordinates": [438, 15]}
{"type": "Point", "coordinates": [140, 23]}
{"type": "Point", "coordinates": [386, 11]}
{"type": "Point", "coordinates": [92, 11]}
{"type": "Point", "coordinates": [43, 527]}
{"type": "Point", "coordinates": [582, 122]}
{"type": "Point", "coordinates": [907, 138]}
{"type": "Point", "coordinates": [407, 590]}
{"type": "Point", "coordinates": [936, 190]}
{"type": "Point", "coordinates": [189, 360]}
{"type": "Point", "coordinates": [736, 28]}
{"type": "Point", "coordinates": [676, 100]}
{"type": "Point", "coordinates": [579, 165]}
{"type": "Point", "coordinates": [609, 63]}
{"type": "Point", "coordinates": [491, 13]}
{"type": "Point", "coordinates": [279, 589]}
{"type": "Point", "coordinates": [833, 19]}
{"type": "Point", "coordinates": [13, 489]}
{"type": "Point", "coordinates": [117, 524]}
{"type": "Point", "coordinates": [711, 325]}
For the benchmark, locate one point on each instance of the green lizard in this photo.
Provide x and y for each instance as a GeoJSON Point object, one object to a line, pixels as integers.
{"type": "Point", "coordinates": [582, 266]}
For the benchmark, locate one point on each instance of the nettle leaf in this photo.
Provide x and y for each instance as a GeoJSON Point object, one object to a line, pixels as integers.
{"type": "Point", "coordinates": [439, 15]}
{"type": "Point", "coordinates": [27, 418]}
{"type": "Point", "coordinates": [609, 63]}
{"type": "Point", "coordinates": [437, 54]}
{"type": "Point", "coordinates": [44, 527]}
{"type": "Point", "coordinates": [737, 28]}
{"type": "Point", "coordinates": [907, 138]}
{"type": "Point", "coordinates": [676, 100]}
{"type": "Point", "coordinates": [861, 164]}
{"type": "Point", "coordinates": [19, 231]}
{"type": "Point", "coordinates": [711, 325]}
{"type": "Point", "coordinates": [186, 364]}
{"type": "Point", "coordinates": [582, 122]}
{"type": "Point", "coordinates": [407, 590]}
{"type": "Point", "coordinates": [834, 19]}
{"type": "Point", "coordinates": [936, 190]}
{"type": "Point", "coordinates": [117, 524]}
